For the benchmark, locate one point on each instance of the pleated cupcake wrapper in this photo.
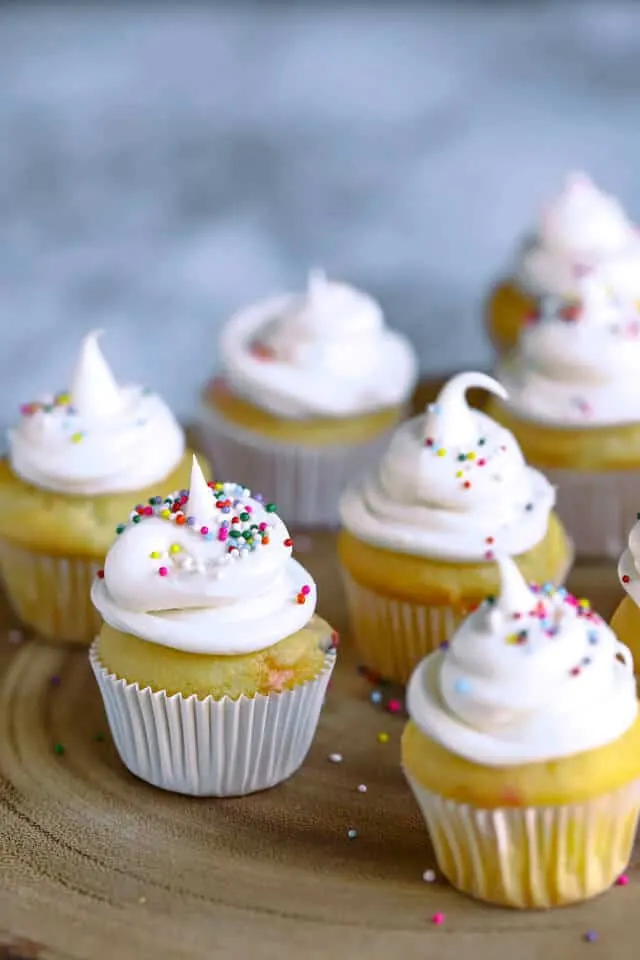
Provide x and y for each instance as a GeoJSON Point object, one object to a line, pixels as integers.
{"type": "Point", "coordinates": [598, 508]}
{"type": "Point", "coordinates": [305, 482]}
{"type": "Point", "coordinates": [533, 857]}
{"type": "Point", "coordinates": [392, 636]}
{"type": "Point", "coordinates": [211, 748]}
{"type": "Point", "coordinates": [51, 595]}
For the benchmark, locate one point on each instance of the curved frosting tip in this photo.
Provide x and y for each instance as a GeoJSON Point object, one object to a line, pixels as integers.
{"type": "Point", "coordinates": [201, 502]}
{"type": "Point", "coordinates": [450, 419]}
{"type": "Point", "coordinates": [515, 594]}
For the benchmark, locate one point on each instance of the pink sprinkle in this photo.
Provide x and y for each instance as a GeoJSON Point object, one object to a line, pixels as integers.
{"type": "Point", "coordinates": [481, 463]}
{"type": "Point", "coordinates": [394, 706]}
{"type": "Point", "coordinates": [248, 508]}
{"type": "Point", "coordinates": [622, 880]}
{"type": "Point", "coordinates": [148, 511]}
{"type": "Point", "coordinates": [437, 919]}
{"type": "Point", "coordinates": [204, 531]}
{"type": "Point", "coordinates": [489, 554]}
{"type": "Point", "coordinates": [262, 526]}
{"type": "Point", "coordinates": [26, 409]}
{"type": "Point", "coordinates": [163, 571]}
{"type": "Point", "coordinates": [306, 590]}
{"type": "Point", "coordinates": [223, 533]}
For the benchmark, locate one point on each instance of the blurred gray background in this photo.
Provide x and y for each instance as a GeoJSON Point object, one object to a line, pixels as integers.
{"type": "Point", "coordinates": [162, 164]}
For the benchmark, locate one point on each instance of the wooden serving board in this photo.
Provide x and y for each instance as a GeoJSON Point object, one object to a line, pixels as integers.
{"type": "Point", "coordinates": [96, 864]}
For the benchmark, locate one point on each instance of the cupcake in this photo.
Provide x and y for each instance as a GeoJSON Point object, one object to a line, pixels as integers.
{"type": "Point", "coordinates": [523, 749]}
{"type": "Point", "coordinates": [310, 390]}
{"type": "Point", "coordinates": [211, 662]}
{"type": "Point", "coordinates": [420, 531]}
{"type": "Point", "coordinates": [581, 230]}
{"type": "Point", "coordinates": [76, 461]}
{"type": "Point", "coordinates": [626, 619]}
{"type": "Point", "coordinates": [574, 407]}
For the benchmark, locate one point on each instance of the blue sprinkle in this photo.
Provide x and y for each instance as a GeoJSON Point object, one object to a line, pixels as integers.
{"type": "Point", "coordinates": [375, 696]}
{"type": "Point", "coordinates": [462, 686]}
{"type": "Point", "coordinates": [590, 936]}
{"type": "Point", "coordinates": [593, 638]}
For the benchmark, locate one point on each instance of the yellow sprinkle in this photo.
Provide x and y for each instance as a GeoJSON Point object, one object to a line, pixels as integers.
{"type": "Point", "coordinates": [155, 554]}
{"type": "Point", "coordinates": [64, 399]}
{"type": "Point", "coordinates": [459, 473]}
{"type": "Point", "coordinates": [471, 456]}
{"type": "Point", "coordinates": [76, 437]}
{"type": "Point", "coordinates": [165, 514]}
{"type": "Point", "coordinates": [442, 452]}
{"type": "Point", "coordinates": [513, 639]}
{"type": "Point", "coordinates": [219, 486]}
{"type": "Point", "coordinates": [175, 548]}
{"type": "Point", "coordinates": [584, 604]}
{"type": "Point", "coordinates": [383, 738]}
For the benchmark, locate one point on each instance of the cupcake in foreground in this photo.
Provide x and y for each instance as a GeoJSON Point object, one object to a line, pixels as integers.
{"type": "Point", "coordinates": [421, 530]}
{"type": "Point", "coordinates": [211, 661]}
{"type": "Point", "coordinates": [574, 407]}
{"type": "Point", "coordinates": [76, 461]}
{"type": "Point", "coordinates": [581, 230]}
{"type": "Point", "coordinates": [311, 386]}
{"type": "Point", "coordinates": [626, 619]}
{"type": "Point", "coordinates": [523, 749]}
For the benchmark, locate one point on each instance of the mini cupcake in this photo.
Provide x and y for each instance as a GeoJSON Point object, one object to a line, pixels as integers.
{"type": "Point", "coordinates": [211, 661]}
{"type": "Point", "coordinates": [76, 461]}
{"type": "Point", "coordinates": [581, 230]}
{"type": "Point", "coordinates": [310, 389]}
{"type": "Point", "coordinates": [523, 749]}
{"type": "Point", "coordinates": [574, 407]}
{"type": "Point", "coordinates": [421, 530]}
{"type": "Point", "coordinates": [626, 619]}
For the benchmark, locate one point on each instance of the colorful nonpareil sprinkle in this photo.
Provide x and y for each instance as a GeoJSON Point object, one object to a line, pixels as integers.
{"type": "Point", "coordinates": [437, 919]}
{"type": "Point", "coordinates": [335, 758]}
{"type": "Point", "coordinates": [352, 833]}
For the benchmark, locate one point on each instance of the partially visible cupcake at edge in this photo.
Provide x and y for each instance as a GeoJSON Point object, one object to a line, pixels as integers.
{"type": "Point", "coordinates": [523, 749]}
{"type": "Point", "coordinates": [311, 386]}
{"type": "Point", "coordinates": [420, 531]}
{"type": "Point", "coordinates": [626, 619]}
{"type": "Point", "coordinates": [574, 406]}
{"type": "Point", "coordinates": [76, 461]}
{"type": "Point", "coordinates": [211, 660]}
{"type": "Point", "coordinates": [580, 230]}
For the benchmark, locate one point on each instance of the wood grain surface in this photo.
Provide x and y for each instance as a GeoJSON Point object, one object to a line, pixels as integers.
{"type": "Point", "coordinates": [96, 864]}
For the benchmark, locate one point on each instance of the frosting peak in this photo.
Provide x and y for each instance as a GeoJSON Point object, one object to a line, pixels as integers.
{"type": "Point", "coordinates": [326, 352]}
{"type": "Point", "coordinates": [528, 677]}
{"type": "Point", "coordinates": [98, 437]}
{"type": "Point", "coordinates": [581, 230]}
{"type": "Point", "coordinates": [452, 484]}
{"type": "Point", "coordinates": [577, 363]}
{"type": "Point", "coordinates": [450, 417]}
{"type": "Point", "coordinates": [220, 580]}
{"type": "Point", "coordinates": [95, 393]}
{"type": "Point", "coordinates": [629, 565]}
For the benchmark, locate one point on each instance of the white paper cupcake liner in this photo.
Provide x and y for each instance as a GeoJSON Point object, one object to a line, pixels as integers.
{"type": "Point", "coordinates": [305, 482]}
{"type": "Point", "coordinates": [392, 636]}
{"type": "Point", "coordinates": [211, 748]}
{"type": "Point", "coordinates": [51, 594]}
{"type": "Point", "coordinates": [598, 508]}
{"type": "Point", "coordinates": [534, 857]}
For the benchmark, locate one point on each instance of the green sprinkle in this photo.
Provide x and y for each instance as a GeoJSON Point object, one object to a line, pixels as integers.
{"type": "Point", "coordinates": [491, 600]}
{"type": "Point", "coordinates": [271, 508]}
{"type": "Point", "coordinates": [462, 456]}
{"type": "Point", "coordinates": [58, 749]}
{"type": "Point", "coordinates": [121, 528]}
{"type": "Point", "coordinates": [481, 442]}
{"type": "Point", "coordinates": [136, 518]}
{"type": "Point", "coordinates": [248, 535]}
{"type": "Point", "coordinates": [245, 516]}
{"type": "Point", "coordinates": [235, 534]}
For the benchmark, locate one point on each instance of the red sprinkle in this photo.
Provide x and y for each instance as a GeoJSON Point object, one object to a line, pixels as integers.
{"type": "Point", "coordinates": [288, 542]}
{"type": "Point", "coordinates": [100, 574]}
{"type": "Point", "coordinates": [181, 519]}
{"type": "Point", "coordinates": [626, 579]}
{"type": "Point", "coordinates": [301, 597]}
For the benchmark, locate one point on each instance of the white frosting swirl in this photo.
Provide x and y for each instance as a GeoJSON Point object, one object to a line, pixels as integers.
{"type": "Point", "coordinates": [529, 677]}
{"type": "Point", "coordinates": [327, 353]}
{"type": "Point", "coordinates": [98, 437]}
{"type": "Point", "coordinates": [205, 570]}
{"type": "Point", "coordinates": [629, 565]}
{"type": "Point", "coordinates": [453, 484]}
{"type": "Point", "coordinates": [578, 364]}
{"type": "Point", "coordinates": [581, 230]}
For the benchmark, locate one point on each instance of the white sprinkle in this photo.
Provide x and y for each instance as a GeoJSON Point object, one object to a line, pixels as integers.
{"type": "Point", "coordinates": [362, 788]}
{"type": "Point", "coordinates": [336, 757]}
{"type": "Point", "coordinates": [429, 876]}
{"type": "Point", "coordinates": [352, 834]}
